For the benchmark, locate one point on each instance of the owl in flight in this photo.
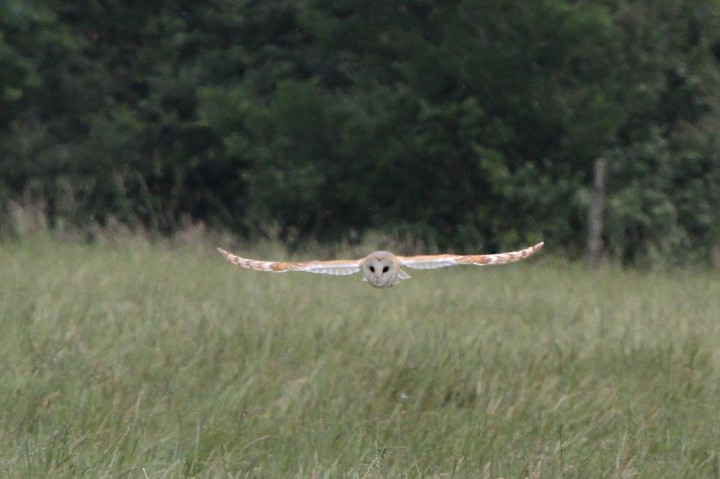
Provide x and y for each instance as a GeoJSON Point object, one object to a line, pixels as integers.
{"type": "Point", "coordinates": [381, 269]}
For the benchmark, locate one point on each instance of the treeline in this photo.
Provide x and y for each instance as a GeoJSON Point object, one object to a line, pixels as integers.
{"type": "Point", "coordinates": [466, 123]}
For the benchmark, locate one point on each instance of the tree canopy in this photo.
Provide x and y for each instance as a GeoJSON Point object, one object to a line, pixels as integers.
{"type": "Point", "coordinates": [466, 123]}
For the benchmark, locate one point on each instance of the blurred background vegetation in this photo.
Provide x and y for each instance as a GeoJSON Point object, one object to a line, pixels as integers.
{"type": "Point", "coordinates": [464, 124]}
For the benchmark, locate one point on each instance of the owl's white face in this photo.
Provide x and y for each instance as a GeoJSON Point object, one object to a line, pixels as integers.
{"type": "Point", "coordinates": [381, 269]}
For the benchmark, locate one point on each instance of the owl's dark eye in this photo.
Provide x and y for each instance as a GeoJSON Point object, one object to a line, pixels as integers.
{"type": "Point", "coordinates": [385, 269]}
{"type": "Point", "coordinates": [372, 269]}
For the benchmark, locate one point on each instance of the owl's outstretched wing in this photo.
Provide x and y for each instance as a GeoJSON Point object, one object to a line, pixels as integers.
{"type": "Point", "coordinates": [446, 260]}
{"type": "Point", "coordinates": [338, 267]}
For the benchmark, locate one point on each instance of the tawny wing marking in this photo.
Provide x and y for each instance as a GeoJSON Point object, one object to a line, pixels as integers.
{"type": "Point", "coordinates": [446, 260]}
{"type": "Point", "coordinates": [338, 267]}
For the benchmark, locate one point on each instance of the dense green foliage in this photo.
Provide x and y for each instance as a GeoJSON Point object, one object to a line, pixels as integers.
{"type": "Point", "coordinates": [118, 361]}
{"type": "Point", "coordinates": [459, 122]}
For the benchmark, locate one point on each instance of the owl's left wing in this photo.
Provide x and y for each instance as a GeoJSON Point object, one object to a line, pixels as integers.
{"type": "Point", "coordinates": [446, 260]}
{"type": "Point", "coordinates": [338, 267]}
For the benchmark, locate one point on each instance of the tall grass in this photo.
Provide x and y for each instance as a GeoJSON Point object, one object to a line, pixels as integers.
{"type": "Point", "coordinates": [138, 360]}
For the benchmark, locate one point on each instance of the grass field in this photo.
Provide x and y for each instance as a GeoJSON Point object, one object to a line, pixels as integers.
{"type": "Point", "coordinates": [139, 360]}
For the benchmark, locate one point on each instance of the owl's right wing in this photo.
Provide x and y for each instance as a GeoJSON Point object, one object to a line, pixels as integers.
{"type": "Point", "coordinates": [446, 260]}
{"type": "Point", "coordinates": [338, 267]}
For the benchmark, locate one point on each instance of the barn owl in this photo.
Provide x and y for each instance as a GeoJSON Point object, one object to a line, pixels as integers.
{"type": "Point", "coordinates": [381, 268]}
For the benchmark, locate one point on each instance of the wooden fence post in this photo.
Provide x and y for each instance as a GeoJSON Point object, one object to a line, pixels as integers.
{"type": "Point", "coordinates": [595, 247]}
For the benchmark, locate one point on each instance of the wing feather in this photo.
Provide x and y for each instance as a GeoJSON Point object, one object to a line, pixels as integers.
{"type": "Point", "coordinates": [446, 260]}
{"type": "Point", "coordinates": [335, 267]}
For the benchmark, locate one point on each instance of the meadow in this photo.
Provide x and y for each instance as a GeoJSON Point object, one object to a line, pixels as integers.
{"type": "Point", "coordinates": [138, 359]}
